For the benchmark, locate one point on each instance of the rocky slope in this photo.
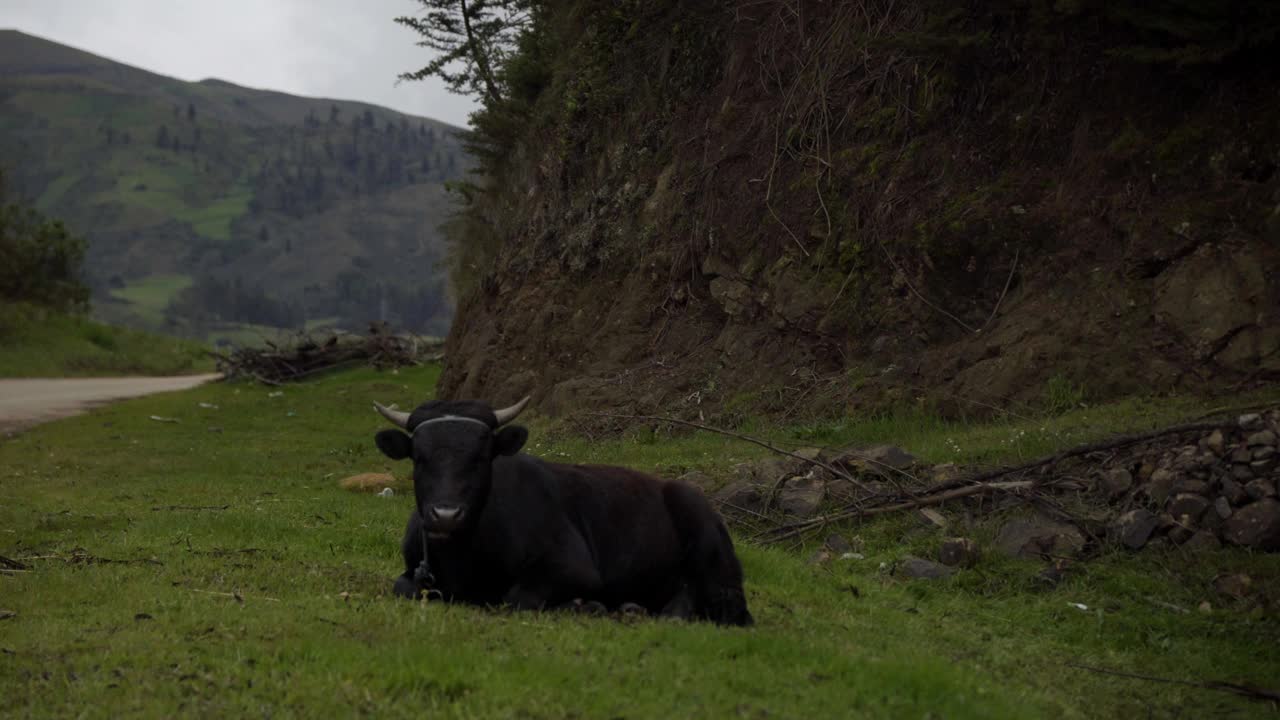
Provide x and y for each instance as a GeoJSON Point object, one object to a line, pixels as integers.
{"type": "Point", "coordinates": [807, 208]}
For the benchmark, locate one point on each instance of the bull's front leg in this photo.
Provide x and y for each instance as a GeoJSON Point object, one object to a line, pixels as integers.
{"type": "Point", "coordinates": [528, 597]}
{"type": "Point", "coordinates": [561, 579]}
{"type": "Point", "coordinates": [406, 586]}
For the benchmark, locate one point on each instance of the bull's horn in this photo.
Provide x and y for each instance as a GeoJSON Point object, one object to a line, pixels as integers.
{"type": "Point", "coordinates": [397, 418]}
{"type": "Point", "coordinates": [507, 414]}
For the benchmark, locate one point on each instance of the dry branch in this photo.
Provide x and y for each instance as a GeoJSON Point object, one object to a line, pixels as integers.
{"type": "Point", "coordinates": [787, 531]}
{"type": "Point", "coordinates": [1108, 444]}
{"type": "Point", "coordinates": [11, 564]}
{"type": "Point", "coordinates": [307, 356]}
{"type": "Point", "coordinates": [237, 595]}
{"type": "Point", "coordinates": [1248, 691]}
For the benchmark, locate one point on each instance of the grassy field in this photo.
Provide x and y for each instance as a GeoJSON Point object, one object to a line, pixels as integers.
{"type": "Point", "coordinates": [149, 297]}
{"type": "Point", "coordinates": [212, 567]}
{"type": "Point", "coordinates": [35, 343]}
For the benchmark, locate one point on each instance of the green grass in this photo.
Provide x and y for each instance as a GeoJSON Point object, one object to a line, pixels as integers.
{"type": "Point", "coordinates": [169, 186]}
{"type": "Point", "coordinates": [214, 220]}
{"type": "Point", "coordinates": [131, 525]}
{"type": "Point", "coordinates": [35, 343]}
{"type": "Point", "coordinates": [149, 296]}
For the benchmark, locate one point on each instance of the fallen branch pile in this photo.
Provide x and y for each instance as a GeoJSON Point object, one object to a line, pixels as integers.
{"type": "Point", "coordinates": [275, 364]}
{"type": "Point", "coordinates": [884, 489]}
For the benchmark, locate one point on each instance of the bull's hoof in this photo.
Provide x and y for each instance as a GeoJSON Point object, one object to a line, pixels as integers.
{"type": "Point", "coordinates": [589, 607]}
{"type": "Point", "coordinates": [632, 609]}
{"type": "Point", "coordinates": [406, 587]}
{"type": "Point", "coordinates": [730, 609]}
{"type": "Point", "coordinates": [680, 606]}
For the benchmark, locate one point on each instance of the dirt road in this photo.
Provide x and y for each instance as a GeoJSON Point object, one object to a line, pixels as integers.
{"type": "Point", "coordinates": [30, 401]}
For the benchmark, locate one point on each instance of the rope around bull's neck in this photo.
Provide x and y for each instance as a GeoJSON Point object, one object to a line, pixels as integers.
{"type": "Point", "coordinates": [422, 575]}
{"type": "Point", "coordinates": [450, 418]}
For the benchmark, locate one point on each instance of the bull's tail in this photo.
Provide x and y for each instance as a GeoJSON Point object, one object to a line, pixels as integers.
{"type": "Point", "coordinates": [713, 575]}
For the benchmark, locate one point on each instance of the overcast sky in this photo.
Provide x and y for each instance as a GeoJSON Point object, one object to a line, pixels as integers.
{"type": "Point", "coordinates": [342, 49]}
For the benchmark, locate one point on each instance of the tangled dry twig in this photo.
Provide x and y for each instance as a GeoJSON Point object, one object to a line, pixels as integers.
{"type": "Point", "coordinates": [307, 356]}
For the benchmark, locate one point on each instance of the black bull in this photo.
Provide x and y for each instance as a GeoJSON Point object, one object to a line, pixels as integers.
{"type": "Point", "coordinates": [502, 527]}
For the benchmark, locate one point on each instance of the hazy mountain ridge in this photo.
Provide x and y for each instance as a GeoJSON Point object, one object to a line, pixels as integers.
{"type": "Point", "coordinates": [319, 208]}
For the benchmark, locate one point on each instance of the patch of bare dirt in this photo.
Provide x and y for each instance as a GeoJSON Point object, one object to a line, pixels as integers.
{"type": "Point", "coordinates": [30, 401]}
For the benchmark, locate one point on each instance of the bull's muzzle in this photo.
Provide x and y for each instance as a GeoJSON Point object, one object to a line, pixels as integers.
{"type": "Point", "coordinates": [444, 519]}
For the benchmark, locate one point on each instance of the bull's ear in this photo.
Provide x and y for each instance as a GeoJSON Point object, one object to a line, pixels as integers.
{"type": "Point", "coordinates": [394, 444]}
{"type": "Point", "coordinates": [509, 440]}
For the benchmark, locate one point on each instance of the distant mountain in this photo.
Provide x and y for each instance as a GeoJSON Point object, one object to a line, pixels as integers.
{"type": "Point", "coordinates": [211, 207]}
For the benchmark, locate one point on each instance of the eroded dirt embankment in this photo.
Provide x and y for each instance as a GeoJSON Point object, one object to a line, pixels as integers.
{"type": "Point", "coordinates": [869, 203]}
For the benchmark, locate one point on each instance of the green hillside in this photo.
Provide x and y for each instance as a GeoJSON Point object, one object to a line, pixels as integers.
{"type": "Point", "coordinates": [208, 205]}
{"type": "Point", "coordinates": [39, 342]}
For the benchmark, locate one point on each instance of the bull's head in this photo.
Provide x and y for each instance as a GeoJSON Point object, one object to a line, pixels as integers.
{"type": "Point", "coordinates": [453, 446]}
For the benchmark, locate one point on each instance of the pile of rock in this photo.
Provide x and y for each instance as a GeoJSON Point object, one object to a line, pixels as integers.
{"type": "Point", "coordinates": [1224, 487]}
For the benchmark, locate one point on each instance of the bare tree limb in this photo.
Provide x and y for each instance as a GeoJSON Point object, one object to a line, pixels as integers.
{"type": "Point", "coordinates": [1249, 691]}
{"type": "Point", "coordinates": [237, 595]}
{"type": "Point", "coordinates": [786, 531]}
{"type": "Point", "coordinates": [923, 299]}
{"type": "Point", "coordinates": [1009, 281]}
{"type": "Point", "coordinates": [1109, 444]}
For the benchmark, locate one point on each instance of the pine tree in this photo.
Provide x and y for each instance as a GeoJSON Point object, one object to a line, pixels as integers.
{"type": "Point", "coordinates": [478, 35]}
